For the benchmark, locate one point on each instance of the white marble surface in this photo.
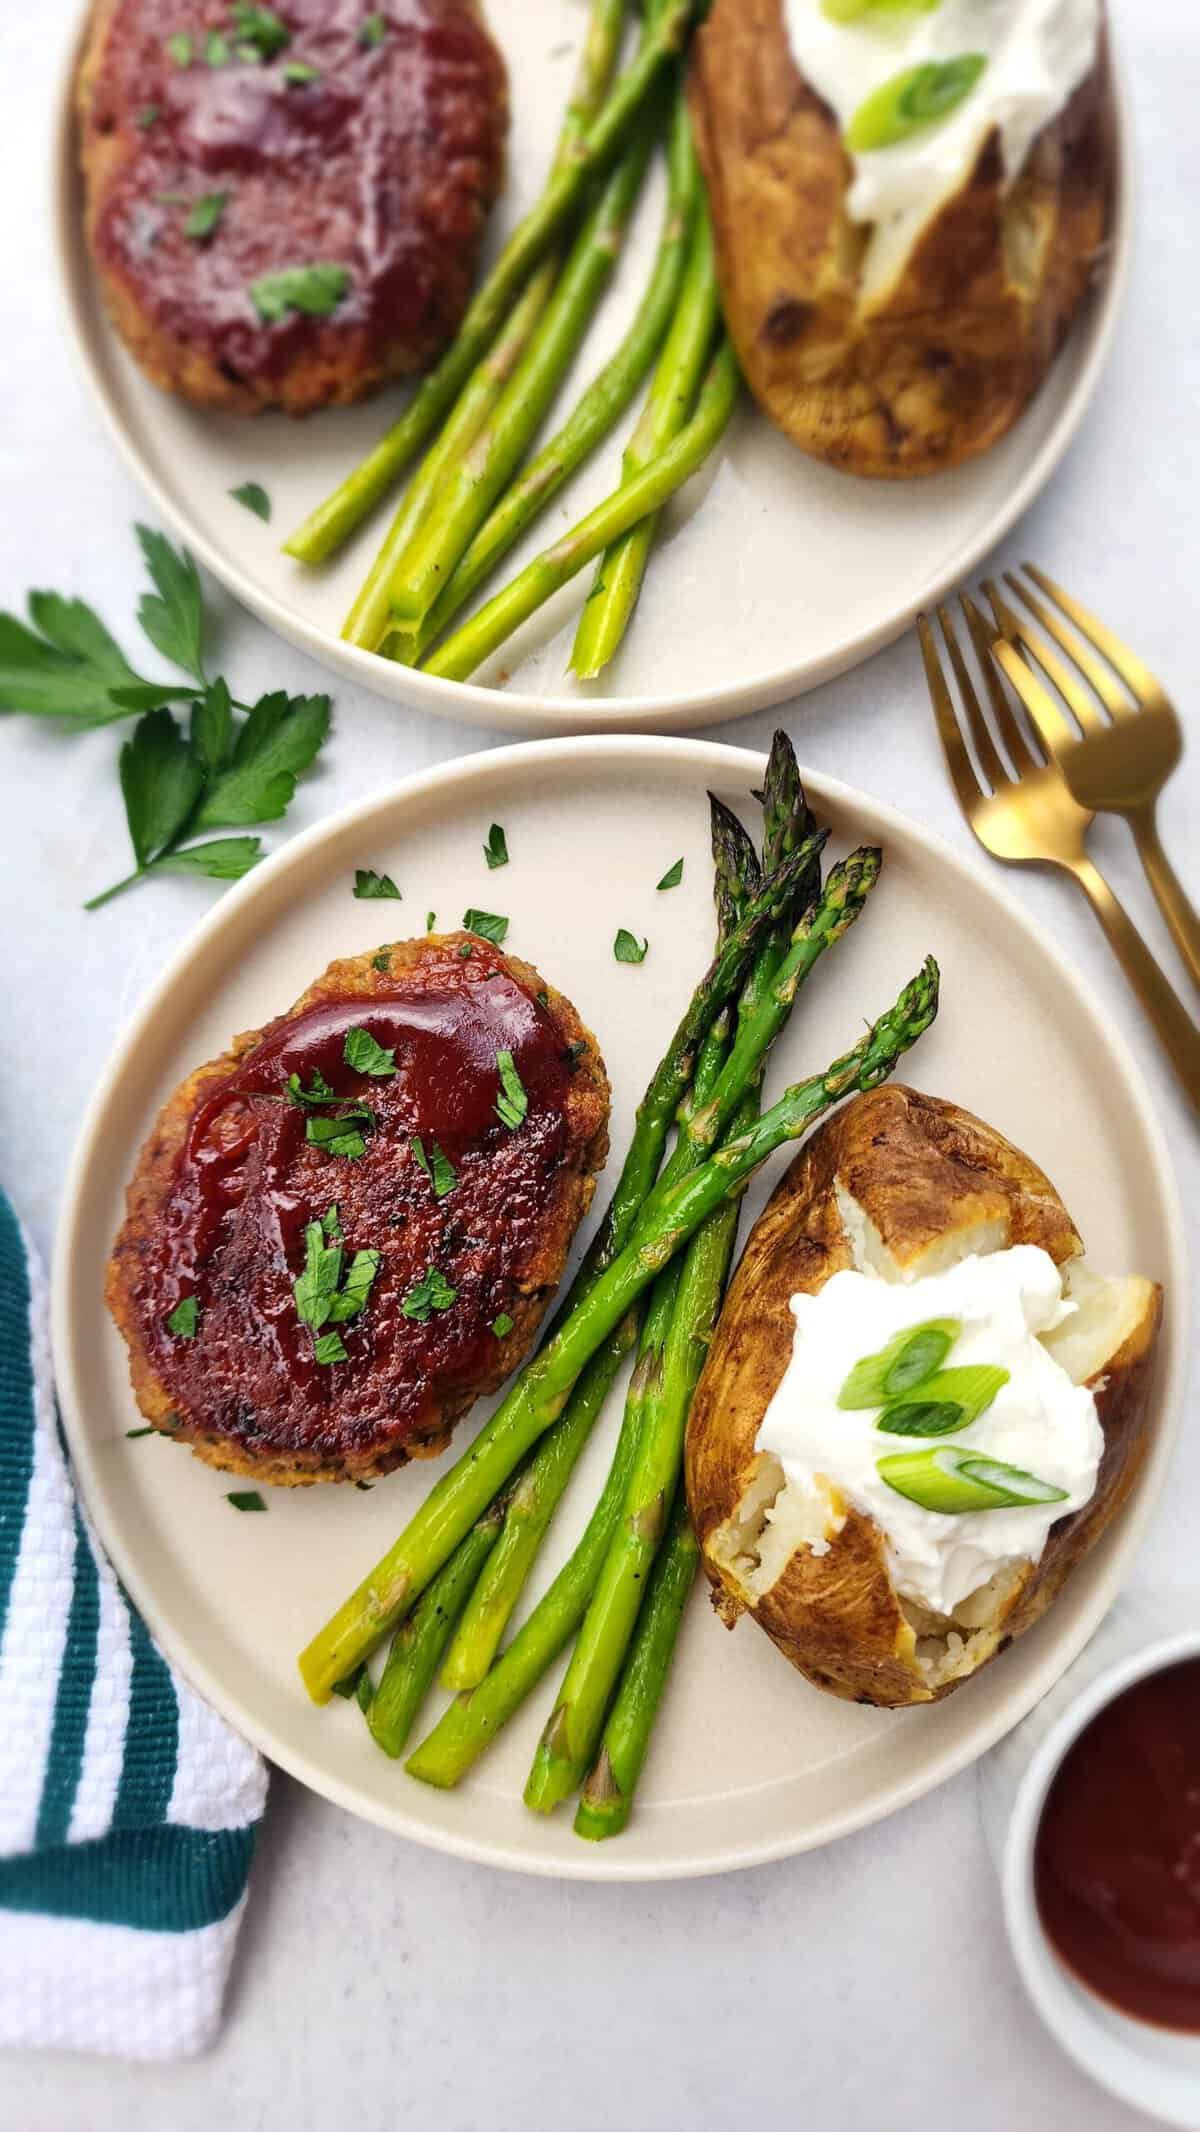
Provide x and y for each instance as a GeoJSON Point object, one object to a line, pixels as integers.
{"type": "Point", "coordinates": [377, 1983]}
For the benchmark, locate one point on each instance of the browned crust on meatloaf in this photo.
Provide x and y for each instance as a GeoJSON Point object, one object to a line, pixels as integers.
{"type": "Point", "coordinates": [439, 198]}
{"type": "Point", "coordinates": [586, 1109]}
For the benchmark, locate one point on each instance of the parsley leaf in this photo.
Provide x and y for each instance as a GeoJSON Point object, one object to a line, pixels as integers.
{"type": "Point", "coordinates": [73, 668]}
{"type": "Point", "coordinates": [487, 925]}
{"type": "Point", "coordinates": [342, 1135]}
{"type": "Point", "coordinates": [627, 949]}
{"type": "Point", "coordinates": [216, 49]}
{"type": "Point", "coordinates": [382, 962]}
{"type": "Point", "coordinates": [253, 496]}
{"type": "Point", "coordinates": [373, 30]}
{"type": "Point", "coordinates": [180, 48]}
{"type": "Point", "coordinates": [133, 1434]}
{"type": "Point", "coordinates": [181, 1322]}
{"type": "Point", "coordinates": [174, 620]}
{"type": "Point", "coordinates": [320, 1092]}
{"type": "Point", "coordinates": [205, 215]}
{"type": "Point", "coordinates": [502, 1326]}
{"type": "Point", "coordinates": [211, 729]}
{"type": "Point", "coordinates": [365, 1055]}
{"type": "Point", "coordinates": [437, 1167]}
{"type": "Point", "coordinates": [221, 859]}
{"type": "Point", "coordinates": [672, 877]}
{"type": "Point", "coordinates": [280, 738]}
{"type": "Point", "coordinates": [245, 1499]}
{"type": "Point", "coordinates": [298, 73]}
{"type": "Point", "coordinates": [330, 1347]}
{"type": "Point", "coordinates": [317, 1286]}
{"type": "Point", "coordinates": [430, 920]}
{"type": "Point", "coordinates": [260, 30]}
{"type": "Point", "coordinates": [161, 782]}
{"type": "Point", "coordinates": [512, 1103]}
{"type": "Point", "coordinates": [370, 886]}
{"type": "Point", "coordinates": [495, 851]}
{"type": "Point", "coordinates": [316, 290]}
{"type": "Point", "coordinates": [432, 1292]}
{"type": "Point", "coordinates": [359, 1281]}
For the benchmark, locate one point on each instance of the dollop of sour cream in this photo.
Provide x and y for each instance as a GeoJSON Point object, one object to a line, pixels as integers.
{"type": "Point", "coordinates": [1037, 52]}
{"type": "Point", "coordinates": [1039, 1421]}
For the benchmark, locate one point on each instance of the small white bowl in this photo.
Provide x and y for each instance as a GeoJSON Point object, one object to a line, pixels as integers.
{"type": "Point", "coordinates": [1156, 2070]}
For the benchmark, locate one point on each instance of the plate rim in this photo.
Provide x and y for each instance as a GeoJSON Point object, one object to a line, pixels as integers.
{"type": "Point", "coordinates": [717, 760]}
{"type": "Point", "coordinates": [516, 710]}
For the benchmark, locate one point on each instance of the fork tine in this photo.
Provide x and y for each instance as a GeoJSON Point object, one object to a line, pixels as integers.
{"type": "Point", "coordinates": [1051, 727]}
{"type": "Point", "coordinates": [1111, 696]}
{"type": "Point", "coordinates": [958, 762]}
{"type": "Point", "coordinates": [986, 753]}
{"type": "Point", "coordinates": [1018, 632]}
{"type": "Point", "coordinates": [1136, 676]}
{"type": "Point", "coordinates": [1006, 721]}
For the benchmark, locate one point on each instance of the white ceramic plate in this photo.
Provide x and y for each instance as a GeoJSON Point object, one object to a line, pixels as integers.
{"type": "Point", "coordinates": [748, 1762]}
{"type": "Point", "coordinates": [773, 573]}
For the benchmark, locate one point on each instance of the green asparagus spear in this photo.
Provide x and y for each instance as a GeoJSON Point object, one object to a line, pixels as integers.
{"type": "Point", "coordinates": [601, 406]}
{"type": "Point", "coordinates": [369, 618]}
{"type": "Point", "coordinates": [420, 1640]}
{"type": "Point", "coordinates": [458, 657]}
{"type": "Point", "coordinates": [472, 482]}
{"type": "Point", "coordinates": [569, 1742]}
{"type": "Point", "coordinates": [609, 606]}
{"type": "Point", "coordinates": [595, 151]}
{"type": "Point", "coordinates": [539, 1394]}
{"type": "Point", "coordinates": [607, 1798]}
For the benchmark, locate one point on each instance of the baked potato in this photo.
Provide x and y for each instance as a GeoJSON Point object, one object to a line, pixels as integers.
{"type": "Point", "coordinates": [902, 347]}
{"type": "Point", "coordinates": [902, 1185]}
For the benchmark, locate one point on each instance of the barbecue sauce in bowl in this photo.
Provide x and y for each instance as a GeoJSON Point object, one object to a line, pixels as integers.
{"type": "Point", "coordinates": [1117, 1857]}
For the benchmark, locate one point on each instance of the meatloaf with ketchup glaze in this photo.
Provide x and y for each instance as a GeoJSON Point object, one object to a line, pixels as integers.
{"type": "Point", "coordinates": [224, 146]}
{"type": "Point", "coordinates": [460, 1197]}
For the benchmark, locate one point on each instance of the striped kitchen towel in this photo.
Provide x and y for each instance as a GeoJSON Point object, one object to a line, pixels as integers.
{"type": "Point", "coordinates": [128, 1810]}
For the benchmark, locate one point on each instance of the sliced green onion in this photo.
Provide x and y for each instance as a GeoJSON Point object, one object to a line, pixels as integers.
{"type": "Point", "coordinates": [918, 97]}
{"type": "Point", "coordinates": [909, 1358]}
{"type": "Point", "coordinates": [955, 1481]}
{"type": "Point", "coordinates": [922, 1417]}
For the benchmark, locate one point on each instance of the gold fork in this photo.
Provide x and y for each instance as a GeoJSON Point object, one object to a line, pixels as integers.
{"type": "Point", "coordinates": [1026, 815]}
{"type": "Point", "coordinates": [1118, 764]}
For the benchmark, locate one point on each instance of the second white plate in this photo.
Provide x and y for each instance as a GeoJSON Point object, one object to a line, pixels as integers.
{"type": "Point", "coordinates": [748, 1762]}
{"type": "Point", "coordinates": [772, 572]}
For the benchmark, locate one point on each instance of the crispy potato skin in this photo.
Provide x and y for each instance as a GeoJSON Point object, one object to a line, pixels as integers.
{"type": "Point", "coordinates": [940, 367]}
{"type": "Point", "coordinates": [921, 1167]}
{"type": "Point", "coordinates": [568, 1199]}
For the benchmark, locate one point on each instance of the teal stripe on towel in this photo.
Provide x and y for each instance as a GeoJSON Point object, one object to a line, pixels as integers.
{"type": "Point", "coordinates": [16, 1399]}
{"type": "Point", "coordinates": [151, 1735]}
{"type": "Point", "coordinates": [162, 1879]}
{"type": "Point", "coordinates": [72, 1701]}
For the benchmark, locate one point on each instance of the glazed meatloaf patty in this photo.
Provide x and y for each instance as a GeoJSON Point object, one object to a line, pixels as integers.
{"type": "Point", "coordinates": [345, 1231]}
{"type": "Point", "coordinates": [285, 204]}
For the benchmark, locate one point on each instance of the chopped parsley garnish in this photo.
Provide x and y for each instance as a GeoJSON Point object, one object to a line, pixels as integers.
{"type": "Point", "coordinates": [432, 1292]}
{"type": "Point", "coordinates": [373, 30]}
{"type": "Point", "coordinates": [673, 876]}
{"type": "Point", "coordinates": [383, 961]}
{"type": "Point", "coordinates": [430, 920]}
{"type": "Point", "coordinates": [438, 1167]}
{"type": "Point", "coordinates": [298, 72]}
{"type": "Point", "coordinates": [180, 48]}
{"type": "Point", "coordinates": [330, 1347]}
{"type": "Point", "coordinates": [343, 1135]}
{"type": "Point", "coordinates": [627, 949]}
{"type": "Point", "coordinates": [319, 1092]}
{"type": "Point", "coordinates": [260, 32]}
{"type": "Point", "coordinates": [356, 1290]}
{"type": "Point", "coordinates": [321, 1297]}
{"type": "Point", "coordinates": [575, 1052]}
{"type": "Point", "coordinates": [487, 924]}
{"type": "Point", "coordinates": [133, 1434]}
{"type": "Point", "coordinates": [316, 290]}
{"type": "Point", "coordinates": [205, 216]}
{"type": "Point", "coordinates": [495, 851]}
{"type": "Point", "coordinates": [148, 116]}
{"type": "Point", "coordinates": [464, 953]}
{"type": "Point", "coordinates": [245, 1499]}
{"type": "Point", "coordinates": [253, 496]}
{"type": "Point", "coordinates": [182, 1321]}
{"type": "Point", "coordinates": [512, 1103]}
{"type": "Point", "coordinates": [364, 1055]}
{"type": "Point", "coordinates": [216, 49]}
{"type": "Point", "coordinates": [372, 887]}
{"type": "Point", "coordinates": [502, 1326]}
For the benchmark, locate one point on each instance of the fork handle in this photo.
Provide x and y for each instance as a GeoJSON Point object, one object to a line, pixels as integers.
{"type": "Point", "coordinates": [1177, 1032]}
{"type": "Point", "coordinates": [1168, 888]}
